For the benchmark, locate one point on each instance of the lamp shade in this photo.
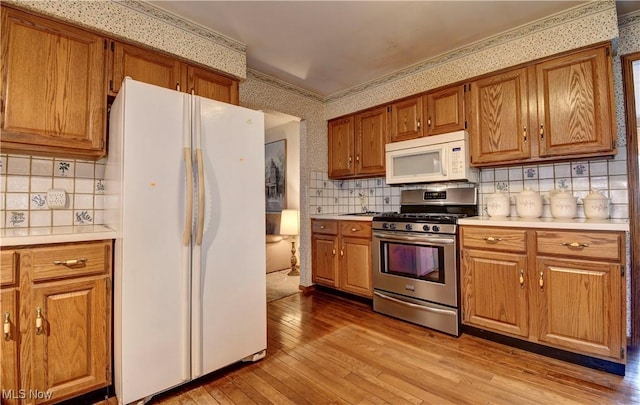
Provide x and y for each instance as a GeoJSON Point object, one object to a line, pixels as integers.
{"type": "Point", "coordinates": [289, 222]}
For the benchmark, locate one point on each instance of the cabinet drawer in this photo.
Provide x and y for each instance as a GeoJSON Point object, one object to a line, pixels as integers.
{"type": "Point", "coordinates": [324, 226]}
{"type": "Point", "coordinates": [513, 240]}
{"type": "Point", "coordinates": [73, 260]}
{"type": "Point", "coordinates": [8, 267]}
{"type": "Point", "coordinates": [355, 228]}
{"type": "Point", "coordinates": [582, 245]}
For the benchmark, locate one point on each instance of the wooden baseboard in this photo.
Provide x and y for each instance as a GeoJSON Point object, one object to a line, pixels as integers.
{"type": "Point", "coordinates": [307, 289]}
{"type": "Point", "coordinates": [575, 358]}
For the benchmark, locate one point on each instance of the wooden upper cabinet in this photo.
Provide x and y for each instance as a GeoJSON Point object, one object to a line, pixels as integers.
{"type": "Point", "coordinates": [145, 66]}
{"type": "Point", "coordinates": [499, 114]}
{"type": "Point", "coordinates": [371, 137]}
{"type": "Point", "coordinates": [560, 108]}
{"type": "Point", "coordinates": [166, 71]}
{"type": "Point", "coordinates": [575, 104]}
{"type": "Point", "coordinates": [444, 110]}
{"type": "Point", "coordinates": [341, 147]}
{"type": "Point", "coordinates": [406, 119]}
{"type": "Point", "coordinates": [53, 87]}
{"type": "Point", "coordinates": [356, 144]}
{"type": "Point", "coordinates": [211, 85]}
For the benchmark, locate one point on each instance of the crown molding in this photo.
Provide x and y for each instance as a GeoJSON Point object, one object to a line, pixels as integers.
{"type": "Point", "coordinates": [184, 24]}
{"type": "Point", "coordinates": [270, 80]}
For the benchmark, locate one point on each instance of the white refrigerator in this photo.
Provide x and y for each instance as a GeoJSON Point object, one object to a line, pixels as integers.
{"type": "Point", "coordinates": [185, 191]}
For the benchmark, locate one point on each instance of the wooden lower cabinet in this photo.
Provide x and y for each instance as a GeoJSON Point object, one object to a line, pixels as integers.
{"type": "Point", "coordinates": [580, 306]}
{"type": "Point", "coordinates": [341, 255]}
{"type": "Point", "coordinates": [59, 345]}
{"type": "Point", "coordinates": [563, 289]}
{"type": "Point", "coordinates": [9, 348]}
{"type": "Point", "coordinates": [325, 260]}
{"type": "Point", "coordinates": [494, 297]}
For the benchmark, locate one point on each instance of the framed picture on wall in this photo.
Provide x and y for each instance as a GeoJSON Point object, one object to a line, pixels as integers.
{"type": "Point", "coordinates": [275, 171]}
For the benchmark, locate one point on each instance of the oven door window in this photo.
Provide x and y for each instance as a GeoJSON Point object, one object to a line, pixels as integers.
{"type": "Point", "coordinates": [421, 262]}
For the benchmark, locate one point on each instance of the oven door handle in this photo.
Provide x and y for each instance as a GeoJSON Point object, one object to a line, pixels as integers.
{"type": "Point", "coordinates": [412, 305]}
{"type": "Point", "coordinates": [403, 237]}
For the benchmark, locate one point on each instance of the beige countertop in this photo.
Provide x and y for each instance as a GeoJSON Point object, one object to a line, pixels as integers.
{"type": "Point", "coordinates": [58, 234]}
{"type": "Point", "coordinates": [550, 223]}
{"type": "Point", "coordinates": [344, 217]}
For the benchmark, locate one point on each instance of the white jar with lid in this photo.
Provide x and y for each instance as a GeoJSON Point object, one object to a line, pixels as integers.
{"type": "Point", "coordinates": [529, 203]}
{"type": "Point", "coordinates": [498, 204]}
{"type": "Point", "coordinates": [596, 205]}
{"type": "Point", "coordinates": [563, 204]}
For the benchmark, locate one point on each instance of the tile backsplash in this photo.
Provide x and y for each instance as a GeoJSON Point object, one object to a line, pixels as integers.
{"type": "Point", "coordinates": [25, 180]}
{"type": "Point", "coordinates": [578, 177]}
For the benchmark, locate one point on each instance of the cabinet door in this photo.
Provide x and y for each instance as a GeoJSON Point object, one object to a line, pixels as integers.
{"type": "Point", "coordinates": [371, 137]}
{"type": "Point", "coordinates": [444, 110]}
{"type": "Point", "coordinates": [575, 102]}
{"type": "Point", "coordinates": [325, 259]}
{"type": "Point", "coordinates": [406, 119]}
{"type": "Point", "coordinates": [494, 293]}
{"type": "Point", "coordinates": [70, 354]}
{"type": "Point", "coordinates": [145, 66]}
{"type": "Point", "coordinates": [355, 266]}
{"type": "Point", "coordinates": [53, 87]}
{"type": "Point", "coordinates": [580, 306]}
{"type": "Point", "coordinates": [208, 84]}
{"type": "Point", "coordinates": [10, 371]}
{"type": "Point", "coordinates": [341, 148]}
{"type": "Point", "coordinates": [498, 118]}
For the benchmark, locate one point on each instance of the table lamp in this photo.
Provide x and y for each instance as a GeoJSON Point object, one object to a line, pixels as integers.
{"type": "Point", "coordinates": [289, 226]}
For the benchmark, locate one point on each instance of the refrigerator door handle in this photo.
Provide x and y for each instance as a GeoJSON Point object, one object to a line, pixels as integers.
{"type": "Point", "coordinates": [201, 193]}
{"type": "Point", "coordinates": [186, 133]}
{"type": "Point", "coordinates": [200, 167]}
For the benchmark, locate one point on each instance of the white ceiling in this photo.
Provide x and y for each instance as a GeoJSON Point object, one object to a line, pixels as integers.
{"type": "Point", "coordinates": [330, 46]}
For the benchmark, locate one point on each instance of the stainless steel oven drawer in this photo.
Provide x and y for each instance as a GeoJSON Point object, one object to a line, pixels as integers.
{"type": "Point", "coordinates": [439, 317]}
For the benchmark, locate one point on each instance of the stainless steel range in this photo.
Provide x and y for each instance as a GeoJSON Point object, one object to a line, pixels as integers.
{"type": "Point", "coordinates": [415, 266]}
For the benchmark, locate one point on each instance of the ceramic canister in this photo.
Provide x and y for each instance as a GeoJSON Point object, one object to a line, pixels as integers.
{"type": "Point", "coordinates": [596, 205]}
{"type": "Point", "coordinates": [529, 203]}
{"type": "Point", "coordinates": [498, 204]}
{"type": "Point", "coordinates": [563, 204]}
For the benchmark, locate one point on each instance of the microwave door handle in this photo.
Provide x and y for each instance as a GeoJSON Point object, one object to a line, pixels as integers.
{"type": "Point", "coordinates": [443, 161]}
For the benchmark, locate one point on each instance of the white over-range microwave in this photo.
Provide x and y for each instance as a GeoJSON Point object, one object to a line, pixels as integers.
{"type": "Point", "coordinates": [436, 158]}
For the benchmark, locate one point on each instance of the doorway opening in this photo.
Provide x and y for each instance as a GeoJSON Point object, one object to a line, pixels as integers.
{"type": "Point", "coordinates": [631, 81]}
{"type": "Point", "coordinates": [282, 191]}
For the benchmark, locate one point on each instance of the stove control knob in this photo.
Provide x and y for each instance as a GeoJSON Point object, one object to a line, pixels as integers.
{"type": "Point", "coordinates": [425, 228]}
{"type": "Point", "coordinates": [392, 226]}
{"type": "Point", "coordinates": [385, 226]}
{"type": "Point", "coordinates": [408, 227]}
{"type": "Point", "coordinates": [436, 228]}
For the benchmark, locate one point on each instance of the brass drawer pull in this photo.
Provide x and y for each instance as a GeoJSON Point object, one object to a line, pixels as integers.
{"type": "Point", "coordinates": [491, 239]}
{"type": "Point", "coordinates": [73, 262]}
{"type": "Point", "coordinates": [541, 280]}
{"type": "Point", "coordinates": [575, 244]}
{"type": "Point", "coordinates": [7, 326]}
{"type": "Point", "coordinates": [521, 278]}
{"type": "Point", "coordinates": [39, 329]}
{"type": "Point", "coordinates": [354, 230]}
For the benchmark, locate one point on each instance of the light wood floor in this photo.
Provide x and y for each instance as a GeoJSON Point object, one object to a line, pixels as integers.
{"type": "Point", "coordinates": [324, 349]}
